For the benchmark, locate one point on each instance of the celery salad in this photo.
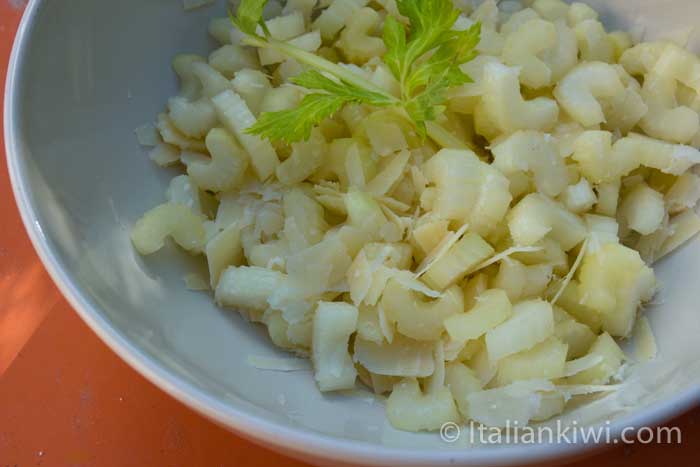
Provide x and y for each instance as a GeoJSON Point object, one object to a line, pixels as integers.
{"type": "Point", "coordinates": [456, 206]}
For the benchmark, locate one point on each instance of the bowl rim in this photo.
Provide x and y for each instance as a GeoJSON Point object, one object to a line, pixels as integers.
{"type": "Point", "coordinates": [300, 443]}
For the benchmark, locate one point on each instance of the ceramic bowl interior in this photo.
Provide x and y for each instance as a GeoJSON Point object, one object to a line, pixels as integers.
{"type": "Point", "coordinates": [85, 74]}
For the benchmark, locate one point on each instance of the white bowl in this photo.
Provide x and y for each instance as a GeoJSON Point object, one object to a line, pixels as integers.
{"type": "Point", "coordinates": [83, 75]}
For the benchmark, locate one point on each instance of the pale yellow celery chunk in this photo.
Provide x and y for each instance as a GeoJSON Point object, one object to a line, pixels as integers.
{"type": "Point", "coordinates": [356, 41]}
{"type": "Point", "coordinates": [247, 286]}
{"type": "Point", "coordinates": [333, 324]}
{"type": "Point", "coordinates": [580, 90]}
{"type": "Point", "coordinates": [531, 323]}
{"type": "Point", "coordinates": [546, 360]}
{"type": "Point", "coordinates": [536, 217]}
{"type": "Point", "coordinates": [226, 169]}
{"type": "Point", "coordinates": [505, 107]}
{"type": "Point", "coordinates": [410, 409]}
{"type": "Point", "coordinates": [577, 336]}
{"type": "Point", "coordinates": [491, 309]}
{"type": "Point", "coordinates": [222, 251]}
{"type": "Point", "coordinates": [417, 318]}
{"type": "Point", "coordinates": [192, 119]}
{"type": "Point", "coordinates": [605, 347]}
{"type": "Point", "coordinates": [512, 405]}
{"type": "Point", "coordinates": [462, 381]}
{"type": "Point", "coordinates": [401, 357]}
{"type": "Point", "coordinates": [468, 190]}
{"type": "Point", "coordinates": [615, 281]}
{"type": "Point", "coordinates": [643, 209]}
{"type": "Point", "coordinates": [237, 118]}
{"type": "Point", "coordinates": [168, 220]}
{"type": "Point", "coordinates": [532, 151]}
{"type": "Point", "coordinates": [522, 48]}
{"type": "Point", "coordinates": [464, 255]}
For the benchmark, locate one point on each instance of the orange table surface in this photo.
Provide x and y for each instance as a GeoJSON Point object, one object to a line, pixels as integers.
{"type": "Point", "coordinates": [67, 400]}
